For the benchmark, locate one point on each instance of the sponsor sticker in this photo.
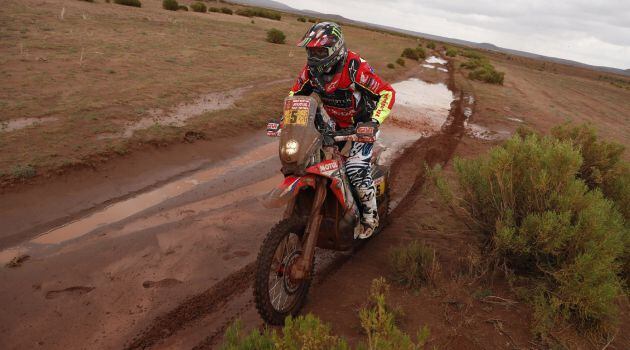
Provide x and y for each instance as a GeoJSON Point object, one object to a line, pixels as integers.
{"type": "Point", "coordinates": [330, 166]}
{"type": "Point", "coordinates": [296, 112]}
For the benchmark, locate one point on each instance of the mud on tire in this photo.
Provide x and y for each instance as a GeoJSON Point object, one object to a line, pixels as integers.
{"type": "Point", "coordinates": [281, 233]}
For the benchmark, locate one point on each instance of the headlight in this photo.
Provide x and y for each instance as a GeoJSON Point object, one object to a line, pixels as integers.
{"type": "Point", "coordinates": [291, 147]}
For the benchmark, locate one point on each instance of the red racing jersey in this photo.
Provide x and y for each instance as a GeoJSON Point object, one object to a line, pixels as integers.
{"type": "Point", "coordinates": [354, 94]}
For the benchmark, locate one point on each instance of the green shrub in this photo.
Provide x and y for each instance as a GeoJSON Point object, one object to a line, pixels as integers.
{"type": "Point", "coordinates": [21, 172]}
{"type": "Point", "coordinates": [170, 5]}
{"type": "Point", "coordinates": [451, 52]}
{"type": "Point", "coordinates": [214, 9]}
{"type": "Point", "coordinates": [546, 225]}
{"type": "Point", "coordinates": [302, 332]}
{"type": "Point", "coordinates": [182, 8]}
{"type": "Point", "coordinates": [391, 66]}
{"type": "Point", "coordinates": [301, 19]}
{"type": "Point", "coordinates": [226, 10]}
{"type": "Point", "coordinates": [472, 54]}
{"type": "Point", "coordinates": [379, 323]}
{"type": "Point", "coordinates": [488, 75]}
{"type": "Point", "coordinates": [257, 12]}
{"type": "Point", "coordinates": [431, 46]}
{"type": "Point", "coordinates": [400, 61]}
{"type": "Point", "coordinates": [198, 7]}
{"type": "Point", "coordinates": [134, 3]}
{"type": "Point", "coordinates": [275, 36]}
{"type": "Point", "coordinates": [420, 52]}
{"type": "Point", "coordinates": [414, 265]}
{"type": "Point", "coordinates": [410, 54]}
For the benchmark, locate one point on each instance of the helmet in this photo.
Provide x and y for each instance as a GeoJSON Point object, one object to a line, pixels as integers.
{"type": "Point", "coordinates": [325, 47]}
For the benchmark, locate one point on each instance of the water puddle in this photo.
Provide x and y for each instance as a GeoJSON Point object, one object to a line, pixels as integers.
{"type": "Point", "coordinates": [483, 133]}
{"type": "Point", "coordinates": [421, 106]}
{"type": "Point", "coordinates": [434, 60]}
{"type": "Point", "coordinates": [21, 123]}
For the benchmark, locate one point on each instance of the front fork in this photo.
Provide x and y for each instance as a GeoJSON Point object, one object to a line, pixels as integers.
{"type": "Point", "coordinates": [302, 266]}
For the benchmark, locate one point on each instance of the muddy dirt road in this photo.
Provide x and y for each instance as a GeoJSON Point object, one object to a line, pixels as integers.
{"type": "Point", "coordinates": [168, 264]}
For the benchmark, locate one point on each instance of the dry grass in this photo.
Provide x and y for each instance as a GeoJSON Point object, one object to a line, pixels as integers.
{"type": "Point", "coordinates": [104, 66]}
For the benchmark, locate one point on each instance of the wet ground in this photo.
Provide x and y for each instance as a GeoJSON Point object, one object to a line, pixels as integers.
{"type": "Point", "coordinates": [112, 271]}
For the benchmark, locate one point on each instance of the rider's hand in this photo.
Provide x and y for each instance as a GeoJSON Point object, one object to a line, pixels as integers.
{"type": "Point", "coordinates": [366, 131]}
{"type": "Point", "coordinates": [274, 128]}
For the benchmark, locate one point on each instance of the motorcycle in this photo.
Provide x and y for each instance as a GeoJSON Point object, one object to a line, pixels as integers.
{"type": "Point", "coordinates": [321, 207]}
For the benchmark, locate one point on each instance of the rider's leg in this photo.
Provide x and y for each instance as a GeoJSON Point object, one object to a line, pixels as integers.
{"type": "Point", "coordinates": [359, 170]}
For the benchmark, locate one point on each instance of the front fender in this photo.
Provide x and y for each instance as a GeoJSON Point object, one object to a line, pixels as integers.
{"type": "Point", "coordinates": [286, 190]}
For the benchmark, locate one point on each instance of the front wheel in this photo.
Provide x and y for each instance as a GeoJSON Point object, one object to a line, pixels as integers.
{"type": "Point", "coordinates": [276, 294]}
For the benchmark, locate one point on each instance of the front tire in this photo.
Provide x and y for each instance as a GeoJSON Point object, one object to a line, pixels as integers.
{"type": "Point", "coordinates": [276, 294]}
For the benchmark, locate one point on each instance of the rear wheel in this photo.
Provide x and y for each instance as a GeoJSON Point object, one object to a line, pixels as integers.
{"type": "Point", "coordinates": [277, 295]}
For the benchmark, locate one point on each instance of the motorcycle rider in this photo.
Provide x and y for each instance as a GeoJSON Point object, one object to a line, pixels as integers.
{"type": "Point", "coordinates": [350, 92]}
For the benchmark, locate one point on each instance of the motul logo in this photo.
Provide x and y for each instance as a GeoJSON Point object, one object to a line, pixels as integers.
{"type": "Point", "coordinates": [328, 167]}
{"type": "Point", "coordinates": [365, 130]}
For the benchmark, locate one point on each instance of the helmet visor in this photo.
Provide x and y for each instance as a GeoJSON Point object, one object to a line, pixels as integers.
{"type": "Point", "coordinates": [317, 52]}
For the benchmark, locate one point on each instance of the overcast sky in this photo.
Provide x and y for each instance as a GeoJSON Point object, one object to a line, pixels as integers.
{"type": "Point", "coordinates": [590, 31]}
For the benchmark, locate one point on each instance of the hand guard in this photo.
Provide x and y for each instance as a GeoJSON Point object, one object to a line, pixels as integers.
{"type": "Point", "coordinates": [274, 128]}
{"type": "Point", "coordinates": [366, 132]}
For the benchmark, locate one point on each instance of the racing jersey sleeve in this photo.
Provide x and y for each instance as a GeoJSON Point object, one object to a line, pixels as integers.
{"type": "Point", "coordinates": [302, 85]}
{"type": "Point", "coordinates": [381, 91]}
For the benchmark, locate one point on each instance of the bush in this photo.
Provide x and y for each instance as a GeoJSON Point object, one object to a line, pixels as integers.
{"type": "Point", "coordinates": [256, 12]}
{"type": "Point", "coordinates": [391, 66]}
{"type": "Point", "coordinates": [451, 52]}
{"type": "Point", "coordinates": [420, 52]}
{"type": "Point", "coordinates": [275, 36]}
{"type": "Point", "coordinates": [379, 323]}
{"type": "Point", "coordinates": [214, 9]}
{"type": "Point", "coordinates": [312, 20]}
{"type": "Point", "coordinates": [303, 332]}
{"type": "Point", "coordinates": [182, 7]}
{"type": "Point", "coordinates": [226, 10]}
{"type": "Point", "coordinates": [410, 54]}
{"type": "Point", "coordinates": [301, 19]}
{"type": "Point", "coordinates": [414, 265]}
{"type": "Point", "coordinates": [472, 54]}
{"type": "Point", "coordinates": [431, 46]}
{"type": "Point", "coordinates": [198, 7]}
{"type": "Point", "coordinates": [546, 225]}
{"type": "Point", "coordinates": [488, 75]}
{"type": "Point", "coordinates": [170, 5]}
{"type": "Point", "coordinates": [134, 3]}
{"type": "Point", "coordinates": [400, 61]}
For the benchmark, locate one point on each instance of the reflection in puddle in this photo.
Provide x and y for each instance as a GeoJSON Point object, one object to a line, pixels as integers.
{"type": "Point", "coordinates": [420, 105]}
{"type": "Point", "coordinates": [437, 60]}
{"type": "Point", "coordinates": [21, 123]}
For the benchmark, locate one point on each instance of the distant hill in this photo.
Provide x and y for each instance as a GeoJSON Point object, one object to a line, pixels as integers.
{"type": "Point", "coordinates": [271, 4]}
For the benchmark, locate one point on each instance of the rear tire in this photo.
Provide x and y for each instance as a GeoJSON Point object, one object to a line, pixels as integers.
{"type": "Point", "coordinates": [276, 295]}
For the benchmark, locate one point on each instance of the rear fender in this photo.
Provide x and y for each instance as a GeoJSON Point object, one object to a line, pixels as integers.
{"type": "Point", "coordinates": [285, 191]}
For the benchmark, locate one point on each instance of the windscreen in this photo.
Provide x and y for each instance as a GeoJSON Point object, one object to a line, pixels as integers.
{"type": "Point", "coordinates": [299, 138]}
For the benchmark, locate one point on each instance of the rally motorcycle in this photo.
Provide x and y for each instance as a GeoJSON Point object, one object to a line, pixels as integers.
{"type": "Point", "coordinates": [322, 209]}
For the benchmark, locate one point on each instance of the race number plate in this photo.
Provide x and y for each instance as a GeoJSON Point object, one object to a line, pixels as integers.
{"type": "Point", "coordinates": [296, 112]}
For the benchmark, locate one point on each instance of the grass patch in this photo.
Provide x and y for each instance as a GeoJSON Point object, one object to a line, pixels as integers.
{"type": "Point", "coordinates": [226, 10]}
{"type": "Point", "coordinates": [562, 240]}
{"type": "Point", "coordinates": [431, 45]}
{"type": "Point", "coordinates": [214, 9]}
{"type": "Point", "coordinates": [275, 36]}
{"type": "Point", "coordinates": [301, 19]}
{"type": "Point", "coordinates": [258, 12]}
{"type": "Point", "coordinates": [23, 172]}
{"type": "Point", "coordinates": [133, 3]}
{"type": "Point", "coordinates": [170, 5]}
{"type": "Point", "coordinates": [451, 52]}
{"type": "Point", "coordinates": [400, 61]}
{"type": "Point", "coordinates": [198, 7]}
{"type": "Point", "coordinates": [414, 265]}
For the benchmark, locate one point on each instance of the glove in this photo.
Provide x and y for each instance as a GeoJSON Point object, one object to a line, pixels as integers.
{"type": "Point", "coordinates": [366, 131]}
{"type": "Point", "coordinates": [274, 128]}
